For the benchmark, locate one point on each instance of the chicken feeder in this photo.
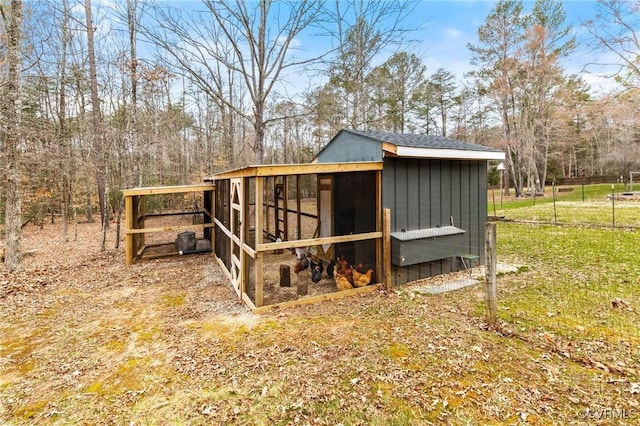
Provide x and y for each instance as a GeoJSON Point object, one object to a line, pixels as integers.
{"type": "Point", "coordinates": [186, 242]}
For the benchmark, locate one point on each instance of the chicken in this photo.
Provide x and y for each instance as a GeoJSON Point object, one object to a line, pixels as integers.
{"type": "Point", "coordinates": [301, 252]}
{"type": "Point", "coordinates": [342, 283]}
{"type": "Point", "coordinates": [316, 274]}
{"type": "Point", "coordinates": [302, 264]}
{"type": "Point", "coordinates": [345, 270]}
{"type": "Point", "coordinates": [360, 267]}
{"type": "Point", "coordinates": [318, 264]}
{"type": "Point", "coordinates": [362, 280]}
{"type": "Point", "coordinates": [330, 268]}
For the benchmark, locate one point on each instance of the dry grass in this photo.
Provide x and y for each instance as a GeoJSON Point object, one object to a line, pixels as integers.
{"type": "Point", "coordinates": [84, 340]}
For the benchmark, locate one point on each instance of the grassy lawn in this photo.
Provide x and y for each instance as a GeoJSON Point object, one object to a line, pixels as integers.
{"type": "Point", "coordinates": [581, 287]}
{"type": "Point", "coordinates": [585, 205]}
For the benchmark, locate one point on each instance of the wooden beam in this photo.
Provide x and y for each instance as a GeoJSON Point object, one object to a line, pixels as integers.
{"type": "Point", "coordinates": [299, 169]}
{"type": "Point", "coordinates": [223, 228]}
{"type": "Point", "coordinates": [258, 258]}
{"type": "Point", "coordinates": [318, 241]}
{"type": "Point", "coordinates": [249, 250]}
{"type": "Point", "coordinates": [248, 302]}
{"type": "Point", "coordinates": [128, 225]}
{"type": "Point", "coordinates": [141, 212]}
{"type": "Point", "coordinates": [387, 248]}
{"type": "Point", "coordinates": [298, 208]}
{"type": "Point", "coordinates": [285, 206]}
{"type": "Point", "coordinates": [208, 218]}
{"type": "Point", "coordinates": [267, 184]}
{"type": "Point", "coordinates": [167, 228]}
{"type": "Point", "coordinates": [389, 149]}
{"type": "Point", "coordinates": [379, 227]}
{"type": "Point", "coordinates": [180, 213]}
{"type": "Point", "coordinates": [319, 298]}
{"type": "Point", "coordinates": [158, 190]}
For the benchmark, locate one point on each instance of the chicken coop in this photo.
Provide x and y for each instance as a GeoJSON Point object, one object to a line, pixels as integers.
{"type": "Point", "coordinates": [371, 208]}
{"type": "Point", "coordinates": [436, 189]}
{"type": "Point", "coordinates": [268, 217]}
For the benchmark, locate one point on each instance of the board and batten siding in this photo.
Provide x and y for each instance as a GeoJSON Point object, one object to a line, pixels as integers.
{"type": "Point", "coordinates": [427, 193]}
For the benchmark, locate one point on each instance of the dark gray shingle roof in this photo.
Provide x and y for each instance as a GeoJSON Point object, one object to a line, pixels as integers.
{"type": "Point", "coordinates": [421, 141]}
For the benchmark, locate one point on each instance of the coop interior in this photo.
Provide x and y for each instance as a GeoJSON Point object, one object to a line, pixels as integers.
{"type": "Point", "coordinates": [324, 230]}
{"type": "Point", "coordinates": [165, 224]}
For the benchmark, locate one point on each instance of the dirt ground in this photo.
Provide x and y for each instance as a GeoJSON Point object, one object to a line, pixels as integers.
{"type": "Point", "coordinates": [86, 340]}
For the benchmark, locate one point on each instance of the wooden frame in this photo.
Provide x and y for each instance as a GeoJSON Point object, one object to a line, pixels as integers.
{"type": "Point", "coordinates": [135, 214]}
{"type": "Point", "coordinates": [264, 179]}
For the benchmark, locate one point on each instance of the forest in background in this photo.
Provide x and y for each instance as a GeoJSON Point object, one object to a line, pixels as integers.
{"type": "Point", "coordinates": [130, 93]}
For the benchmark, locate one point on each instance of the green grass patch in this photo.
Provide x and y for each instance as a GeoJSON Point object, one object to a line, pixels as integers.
{"type": "Point", "coordinates": [582, 284]}
{"type": "Point", "coordinates": [173, 300]}
{"type": "Point", "coordinates": [583, 205]}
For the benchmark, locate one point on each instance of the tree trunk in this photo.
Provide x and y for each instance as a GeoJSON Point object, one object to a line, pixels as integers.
{"type": "Point", "coordinates": [98, 136]}
{"type": "Point", "coordinates": [13, 209]}
{"type": "Point", "coordinates": [63, 138]}
{"type": "Point", "coordinates": [133, 128]}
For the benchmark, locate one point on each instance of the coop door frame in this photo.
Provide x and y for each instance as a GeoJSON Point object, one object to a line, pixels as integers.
{"type": "Point", "coordinates": [325, 213]}
{"type": "Point", "coordinates": [237, 233]}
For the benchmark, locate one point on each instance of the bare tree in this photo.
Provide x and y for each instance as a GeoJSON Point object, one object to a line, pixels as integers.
{"type": "Point", "coordinates": [12, 20]}
{"type": "Point", "coordinates": [498, 56]}
{"type": "Point", "coordinates": [615, 30]}
{"type": "Point", "coordinates": [547, 40]}
{"type": "Point", "coordinates": [251, 42]}
{"type": "Point", "coordinates": [64, 143]}
{"type": "Point", "coordinates": [132, 26]}
{"type": "Point", "coordinates": [96, 119]}
{"type": "Point", "coordinates": [519, 56]}
{"type": "Point", "coordinates": [360, 31]}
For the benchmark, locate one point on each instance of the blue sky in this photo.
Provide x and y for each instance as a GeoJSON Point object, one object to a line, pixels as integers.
{"type": "Point", "coordinates": [446, 27]}
{"type": "Point", "coordinates": [450, 25]}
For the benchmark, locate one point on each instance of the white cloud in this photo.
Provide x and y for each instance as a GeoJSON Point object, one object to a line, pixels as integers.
{"type": "Point", "coordinates": [451, 32]}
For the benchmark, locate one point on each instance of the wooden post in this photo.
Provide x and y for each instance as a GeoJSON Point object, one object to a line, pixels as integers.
{"type": "Point", "coordinates": [380, 265]}
{"type": "Point", "coordinates": [212, 217]}
{"type": "Point", "coordinates": [285, 276]}
{"type": "Point", "coordinates": [386, 234]}
{"type": "Point", "coordinates": [302, 287]}
{"type": "Point", "coordinates": [141, 213]}
{"type": "Point", "coordinates": [128, 225]}
{"type": "Point", "coordinates": [298, 208]}
{"type": "Point", "coordinates": [259, 224]}
{"type": "Point", "coordinates": [490, 290]}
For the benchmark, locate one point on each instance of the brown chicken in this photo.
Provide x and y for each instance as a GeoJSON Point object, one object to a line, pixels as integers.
{"type": "Point", "coordinates": [362, 280]}
{"type": "Point", "coordinates": [303, 263]}
{"type": "Point", "coordinates": [342, 283]}
{"type": "Point", "coordinates": [345, 270]}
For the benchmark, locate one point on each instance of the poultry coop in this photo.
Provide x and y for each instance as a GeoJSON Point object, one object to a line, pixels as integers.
{"type": "Point", "coordinates": [402, 206]}
{"type": "Point", "coordinates": [436, 190]}
{"type": "Point", "coordinates": [265, 216]}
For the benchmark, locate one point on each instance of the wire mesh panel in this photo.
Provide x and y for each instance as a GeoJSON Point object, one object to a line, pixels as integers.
{"type": "Point", "coordinates": [578, 289]}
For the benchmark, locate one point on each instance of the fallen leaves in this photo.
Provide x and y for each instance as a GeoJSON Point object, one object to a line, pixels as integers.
{"type": "Point", "coordinates": [167, 340]}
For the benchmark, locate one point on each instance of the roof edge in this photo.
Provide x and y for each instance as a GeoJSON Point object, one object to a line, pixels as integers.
{"type": "Point", "coordinates": [446, 153]}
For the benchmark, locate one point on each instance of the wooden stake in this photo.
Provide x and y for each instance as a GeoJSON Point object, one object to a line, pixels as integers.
{"type": "Point", "coordinates": [128, 225]}
{"type": "Point", "coordinates": [490, 292]}
{"type": "Point", "coordinates": [387, 247]}
{"type": "Point", "coordinates": [285, 276]}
